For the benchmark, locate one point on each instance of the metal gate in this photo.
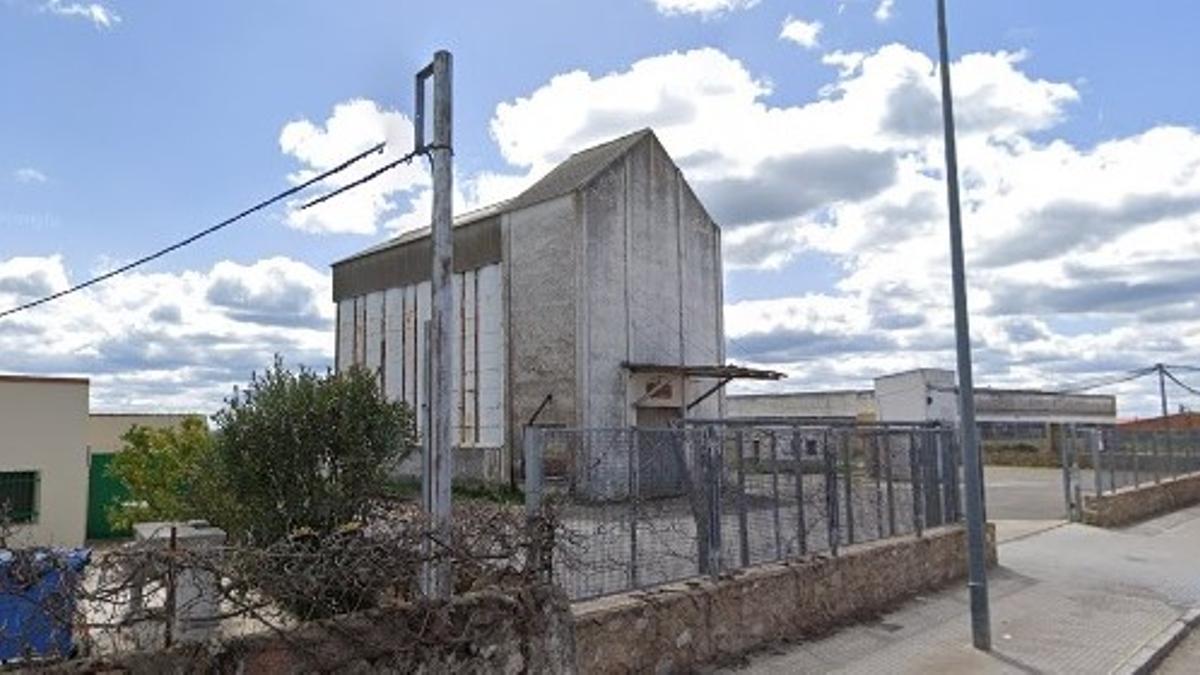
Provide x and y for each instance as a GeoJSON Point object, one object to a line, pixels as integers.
{"type": "Point", "coordinates": [104, 491]}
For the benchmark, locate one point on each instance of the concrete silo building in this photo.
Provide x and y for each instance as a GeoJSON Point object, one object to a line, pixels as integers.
{"type": "Point", "coordinates": [592, 299]}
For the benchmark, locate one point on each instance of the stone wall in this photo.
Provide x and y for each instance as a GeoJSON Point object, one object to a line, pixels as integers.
{"type": "Point", "coordinates": [485, 632]}
{"type": "Point", "coordinates": [681, 626]}
{"type": "Point", "coordinates": [1132, 504]}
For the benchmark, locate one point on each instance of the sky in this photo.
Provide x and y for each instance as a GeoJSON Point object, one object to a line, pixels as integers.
{"type": "Point", "coordinates": [810, 129]}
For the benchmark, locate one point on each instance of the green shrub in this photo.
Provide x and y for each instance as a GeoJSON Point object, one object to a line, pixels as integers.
{"type": "Point", "coordinates": [293, 450]}
{"type": "Point", "coordinates": [302, 450]}
{"type": "Point", "coordinates": [171, 474]}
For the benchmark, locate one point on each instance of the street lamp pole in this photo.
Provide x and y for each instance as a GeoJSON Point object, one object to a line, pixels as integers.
{"type": "Point", "coordinates": [981, 630]}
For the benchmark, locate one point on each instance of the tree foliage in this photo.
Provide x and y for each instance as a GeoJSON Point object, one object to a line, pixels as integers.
{"type": "Point", "coordinates": [305, 451]}
{"type": "Point", "coordinates": [294, 450]}
{"type": "Point", "coordinates": [170, 474]}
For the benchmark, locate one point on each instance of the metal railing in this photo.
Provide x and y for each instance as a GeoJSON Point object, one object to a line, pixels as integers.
{"type": "Point", "coordinates": [1104, 460]}
{"type": "Point", "coordinates": [641, 507]}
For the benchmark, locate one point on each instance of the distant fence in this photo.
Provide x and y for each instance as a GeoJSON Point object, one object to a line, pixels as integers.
{"type": "Point", "coordinates": [1102, 461]}
{"type": "Point", "coordinates": [641, 507]}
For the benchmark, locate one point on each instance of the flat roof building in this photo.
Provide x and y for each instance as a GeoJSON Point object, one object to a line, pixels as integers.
{"type": "Point", "coordinates": [931, 395]}
{"type": "Point", "coordinates": [43, 458]}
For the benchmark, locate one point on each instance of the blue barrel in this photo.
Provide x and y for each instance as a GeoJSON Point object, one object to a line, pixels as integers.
{"type": "Point", "coordinates": [37, 601]}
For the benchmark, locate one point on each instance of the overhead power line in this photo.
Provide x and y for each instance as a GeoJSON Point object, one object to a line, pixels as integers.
{"type": "Point", "coordinates": [1188, 388]}
{"type": "Point", "coordinates": [369, 177]}
{"type": "Point", "coordinates": [209, 230]}
{"type": "Point", "coordinates": [1105, 382]}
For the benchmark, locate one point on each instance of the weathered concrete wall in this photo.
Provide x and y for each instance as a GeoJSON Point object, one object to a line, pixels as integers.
{"type": "Point", "coordinates": [1016, 405]}
{"type": "Point", "coordinates": [541, 263]}
{"type": "Point", "coordinates": [652, 285]}
{"type": "Point", "coordinates": [679, 627]}
{"type": "Point", "coordinates": [703, 310]}
{"type": "Point", "coordinates": [1133, 504]}
{"type": "Point", "coordinates": [858, 404]}
{"type": "Point", "coordinates": [484, 632]}
{"type": "Point", "coordinates": [383, 331]}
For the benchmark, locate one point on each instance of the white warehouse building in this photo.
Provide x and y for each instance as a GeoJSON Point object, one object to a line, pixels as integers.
{"type": "Point", "coordinates": [1004, 416]}
{"type": "Point", "coordinates": [592, 299]}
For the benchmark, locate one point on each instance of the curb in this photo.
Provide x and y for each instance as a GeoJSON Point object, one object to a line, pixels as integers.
{"type": "Point", "coordinates": [1145, 659]}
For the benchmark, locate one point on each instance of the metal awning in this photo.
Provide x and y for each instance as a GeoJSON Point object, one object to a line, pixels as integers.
{"type": "Point", "coordinates": [720, 372]}
{"type": "Point", "coordinates": [723, 373]}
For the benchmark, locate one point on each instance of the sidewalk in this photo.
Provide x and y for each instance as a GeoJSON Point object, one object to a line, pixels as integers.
{"type": "Point", "coordinates": [1070, 599]}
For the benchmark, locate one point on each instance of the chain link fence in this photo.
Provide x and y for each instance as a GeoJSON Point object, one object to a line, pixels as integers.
{"type": "Point", "coordinates": [642, 507]}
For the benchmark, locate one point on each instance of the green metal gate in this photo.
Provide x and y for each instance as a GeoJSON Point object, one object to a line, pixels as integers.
{"type": "Point", "coordinates": [104, 490]}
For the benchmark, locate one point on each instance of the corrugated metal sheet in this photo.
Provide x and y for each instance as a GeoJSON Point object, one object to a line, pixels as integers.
{"type": "Point", "coordinates": [384, 331]}
{"type": "Point", "coordinates": [475, 244]}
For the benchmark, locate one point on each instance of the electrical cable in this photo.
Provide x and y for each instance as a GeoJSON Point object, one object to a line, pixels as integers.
{"type": "Point", "coordinates": [197, 236]}
{"type": "Point", "coordinates": [1086, 386]}
{"type": "Point", "coordinates": [1189, 389]}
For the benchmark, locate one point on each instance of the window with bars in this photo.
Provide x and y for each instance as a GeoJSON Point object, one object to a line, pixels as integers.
{"type": "Point", "coordinates": [18, 495]}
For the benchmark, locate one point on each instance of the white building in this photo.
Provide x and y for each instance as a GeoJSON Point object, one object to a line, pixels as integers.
{"type": "Point", "coordinates": [43, 458]}
{"type": "Point", "coordinates": [931, 395]}
{"type": "Point", "coordinates": [592, 299]}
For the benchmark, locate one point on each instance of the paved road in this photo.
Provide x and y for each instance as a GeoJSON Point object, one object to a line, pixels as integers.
{"type": "Point", "coordinates": [1072, 599]}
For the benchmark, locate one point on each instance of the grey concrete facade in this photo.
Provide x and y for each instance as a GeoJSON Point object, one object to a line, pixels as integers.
{"type": "Point", "coordinates": [609, 259]}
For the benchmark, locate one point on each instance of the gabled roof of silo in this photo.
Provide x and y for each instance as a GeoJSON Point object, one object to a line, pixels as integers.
{"type": "Point", "coordinates": [573, 173]}
{"type": "Point", "coordinates": [577, 171]}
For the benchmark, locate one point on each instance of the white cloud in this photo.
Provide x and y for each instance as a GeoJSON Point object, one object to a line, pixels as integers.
{"type": "Point", "coordinates": [703, 8]}
{"type": "Point", "coordinates": [884, 10]}
{"type": "Point", "coordinates": [29, 174]}
{"type": "Point", "coordinates": [352, 127]}
{"type": "Point", "coordinates": [803, 33]}
{"type": "Point", "coordinates": [99, 14]}
{"type": "Point", "coordinates": [166, 341]}
{"type": "Point", "coordinates": [1053, 230]}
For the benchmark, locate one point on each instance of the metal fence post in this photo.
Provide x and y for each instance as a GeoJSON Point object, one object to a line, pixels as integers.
{"type": "Point", "coordinates": [831, 495]}
{"type": "Point", "coordinates": [801, 525]}
{"type": "Point", "coordinates": [1170, 451]}
{"type": "Point", "coordinates": [1065, 462]}
{"type": "Point", "coordinates": [877, 469]}
{"type": "Point", "coordinates": [533, 440]}
{"type": "Point", "coordinates": [1136, 438]}
{"type": "Point", "coordinates": [934, 513]}
{"type": "Point", "coordinates": [847, 476]}
{"type": "Point", "coordinates": [1156, 461]}
{"type": "Point", "coordinates": [918, 491]}
{"type": "Point", "coordinates": [1112, 447]}
{"type": "Point", "coordinates": [635, 496]}
{"type": "Point", "coordinates": [1076, 474]}
{"type": "Point", "coordinates": [743, 519]}
{"type": "Point", "coordinates": [1192, 451]}
{"type": "Point", "coordinates": [891, 489]}
{"type": "Point", "coordinates": [714, 454]}
{"type": "Point", "coordinates": [775, 495]}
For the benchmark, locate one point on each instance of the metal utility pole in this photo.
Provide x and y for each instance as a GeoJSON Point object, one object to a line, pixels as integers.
{"type": "Point", "coordinates": [1162, 394]}
{"type": "Point", "coordinates": [981, 629]}
{"type": "Point", "coordinates": [1162, 388]}
{"type": "Point", "coordinates": [437, 472]}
